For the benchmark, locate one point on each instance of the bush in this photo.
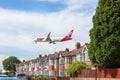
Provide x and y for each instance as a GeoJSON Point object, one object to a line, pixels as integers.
{"type": "Point", "coordinates": [74, 67]}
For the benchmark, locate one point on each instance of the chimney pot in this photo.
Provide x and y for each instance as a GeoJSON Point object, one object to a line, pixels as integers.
{"type": "Point", "coordinates": [23, 61]}
{"type": "Point", "coordinates": [78, 45]}
{"type": "Point", "coordinates": [40, 56]}
{"type": "Point", "coordinates": [67, 49]}
{"type": "Point", "coordinates": [45, 55]}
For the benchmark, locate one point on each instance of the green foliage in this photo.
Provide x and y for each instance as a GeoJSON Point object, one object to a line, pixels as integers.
{"type": "Point", "coordinates": [105, 35]}
{"type": "Point", "coordinates": [10, 62]}
{"type": "Point", "coordinates": [42, 77]}
{"type": "Point", "coordinates": [10, 73]}
{"type": "Point", "coordinates": [74, 67]}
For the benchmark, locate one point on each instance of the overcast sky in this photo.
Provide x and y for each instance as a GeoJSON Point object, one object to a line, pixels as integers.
{"type": "Point", "coordinates": [21, 21]}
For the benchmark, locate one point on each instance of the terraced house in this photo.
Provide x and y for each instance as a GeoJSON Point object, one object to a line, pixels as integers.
{"type": "Point", "coordinates": [54, 65]}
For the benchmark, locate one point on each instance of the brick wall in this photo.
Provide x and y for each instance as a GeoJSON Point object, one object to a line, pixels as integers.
{"type": "Point", "coordinates": [78, 78]}
{"type": "Point", "coordinates": [100, 73]}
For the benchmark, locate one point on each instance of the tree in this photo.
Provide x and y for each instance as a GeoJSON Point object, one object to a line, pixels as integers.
{"type": "Point", "coordinates": [10, 62]}
{"type": "Point", "coordinates": [77, 66]}
{"type": "Point", "coordinates": [104, 47]}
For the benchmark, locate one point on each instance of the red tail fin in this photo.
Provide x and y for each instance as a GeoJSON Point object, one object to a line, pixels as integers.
{"type": "Point", "coordinates": [70, 33]}
{"type": "Point", "coordinates": [68, 37]}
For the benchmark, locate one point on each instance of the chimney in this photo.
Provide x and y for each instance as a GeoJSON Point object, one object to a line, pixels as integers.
{"type": "Point", "coordinates": [23, 61]}
{"type": "Point", "coordinates": [40, 56]}
{"type": "Point", "coordinates": [77, 45]}
{"type": "Point", "coordinates": [67, 49]}
{"type": "Point", "coordinates": [45, 55]}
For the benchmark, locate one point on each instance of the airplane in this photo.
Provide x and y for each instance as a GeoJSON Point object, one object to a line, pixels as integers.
{"type": "Point", "coordinates": [55, 39]}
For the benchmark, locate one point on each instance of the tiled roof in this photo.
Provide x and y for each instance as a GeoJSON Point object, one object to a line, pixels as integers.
{"type": "Point", "coordinates": [43, 58]}
{"type": "Point", "coordinates": [75, 51]}
{"type": "Point", "coordinates": [26, 62]}
{"type": "Point", "coordinates": [54, 56]}
{"type": "Point", "coordinates": [80, 49]}
{"type": "Point", "coordinates": [34, 60]}
{"type": "Point", "coordinates": [64, 53]}
{"type": "Point", "coordinates": [72, 53]}
{"type": "Point", "coordinates": [21, 64]}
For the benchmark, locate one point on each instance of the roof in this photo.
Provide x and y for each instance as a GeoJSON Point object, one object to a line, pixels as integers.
{"type": "Point", "coordinates": [86, 44]}
{"type": "Point", "coordinates": [54, 56]}
{"type": "Point", "coordinates": [79, 49]}
{"type": "Point", "coordinates": [64, 53]}
{"type": "Point", "coordinates": [72, 53]}
{"type": "Point", "coordinates": [21, 64]}
{"type": "Point", "coordinates": [43, 58]}
{"type": "Point", "coordinates": [26, 62]}
{"type": "Point", "coordinates": [33, 60]}
{"type": "Point", "coordinates": [75, 51]}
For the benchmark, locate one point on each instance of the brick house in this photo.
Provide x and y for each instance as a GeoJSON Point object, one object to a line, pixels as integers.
{"type": "Point", "coordinates": [54, 65]}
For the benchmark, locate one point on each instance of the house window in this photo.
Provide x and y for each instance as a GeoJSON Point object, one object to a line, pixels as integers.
{"type": "Point", "coordinates": [40, 73]}
{"type": "Point", "coordinates": [61, 73]}
{"type": "Point", "coordinates": [62, 60]}
{"type": "Point", "coordinates": [51, 73]}
{"type": "Point", "coordinates": [74, 59]}
{"type": "Point", "coordinates": [36, 64]}
{"type": "Point", "coordinates": [79, 57]}
{"type": "Point", "coordinates": [33, 64]}
{"type": "Point", "coordinates": [45, 63]}
{"type": "Point", "coordinates": [70, 59]}
{"type": "Point", "coordinates": [83, 56]}
{"type": "Point", "coordinates": [20, 67]}
{"type": "Point", "coordinates": [40, 63]}
{"type": "Point", "coordinates": [46, 72]}
{"type": "Point", "coordinates": [27, 65]}
{"type": "Point", "coordinates": [30, 65]}
{"type": "Point", "coordinates": [51, 62]}
{"type": "Point", "coordinates": [86, 57]}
